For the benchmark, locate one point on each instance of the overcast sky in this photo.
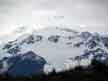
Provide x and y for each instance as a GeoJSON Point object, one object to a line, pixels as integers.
{"type": "Point", "coordinates": [89, 14]}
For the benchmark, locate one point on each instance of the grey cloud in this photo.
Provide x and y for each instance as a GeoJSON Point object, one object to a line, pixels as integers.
{"type": "Point", "coordinates": [74, 11]}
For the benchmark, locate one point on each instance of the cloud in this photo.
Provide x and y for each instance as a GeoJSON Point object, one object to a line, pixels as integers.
{"type": "Point", "coordinates": [31, 12]}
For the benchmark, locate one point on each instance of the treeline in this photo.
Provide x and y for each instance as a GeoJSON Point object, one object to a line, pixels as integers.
{"type": "Point", "coordinates": [97, 71]}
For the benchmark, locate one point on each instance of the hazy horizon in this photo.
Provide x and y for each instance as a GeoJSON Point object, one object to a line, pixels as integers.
{"type": "Point", "coordinates": [91, 15]}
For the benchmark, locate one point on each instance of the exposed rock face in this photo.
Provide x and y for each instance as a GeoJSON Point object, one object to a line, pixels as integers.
{"type": "Point", "coordinates": [54, 39]}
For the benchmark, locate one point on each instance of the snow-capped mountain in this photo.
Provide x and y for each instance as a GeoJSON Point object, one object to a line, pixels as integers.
{"type": "Point", "coordinates": [96, 47]}
{"type": "Point", "coordinates": [62, 48]}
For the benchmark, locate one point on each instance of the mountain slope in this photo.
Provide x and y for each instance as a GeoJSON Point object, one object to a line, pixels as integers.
{"type": "Point", "coordinates": [22, 64]}
{"type": "Point", "coordinates": [61, 47]}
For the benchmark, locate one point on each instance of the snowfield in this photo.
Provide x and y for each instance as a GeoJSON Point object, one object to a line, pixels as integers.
{"type": "Point", "coordinates": [62, 48]}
